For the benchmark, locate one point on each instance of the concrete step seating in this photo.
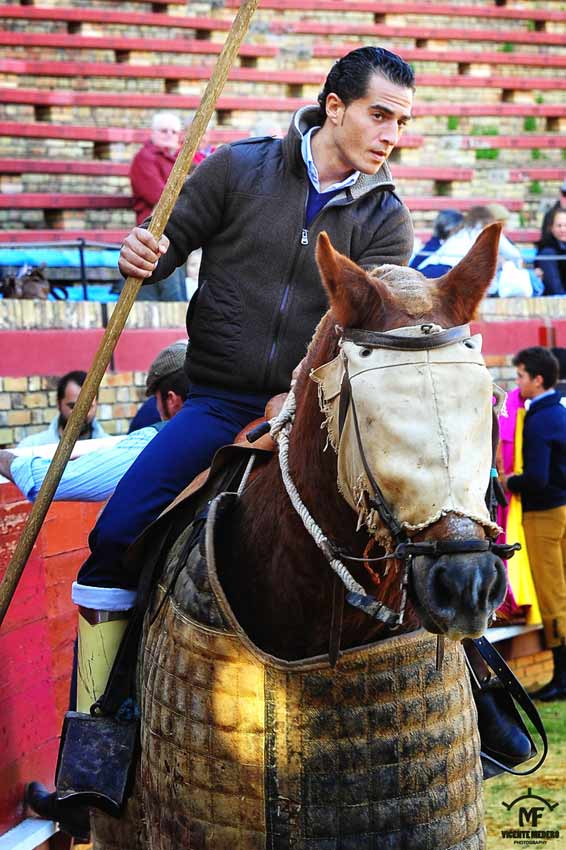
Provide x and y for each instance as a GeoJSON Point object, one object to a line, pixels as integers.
{"type": "Point", "coordinates": [76, 72]}
{"type": "Point", "coordinates": [503, 65]}
{"type": "Point", "coordinates": [102, 135]}
{"type": "Point", "coordinates": [125, 49]}
{"type": "Point", "coordinates": [378, 9]}
{"type": "Point", "coordinates": [78, 201]}
{"type": "Point", "coordinates": [204, 26]}
{"type": "Point", "coordinates": [121, 169]}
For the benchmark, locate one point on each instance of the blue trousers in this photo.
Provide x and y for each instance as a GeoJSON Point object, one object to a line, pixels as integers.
{"type": "Point", "coordinates": [208, 420]}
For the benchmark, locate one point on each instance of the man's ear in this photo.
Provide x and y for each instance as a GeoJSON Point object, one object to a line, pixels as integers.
{"type": "Point", "coordinates": [334, 109]}
{"type": "Point", "coordinates": [174, 403]}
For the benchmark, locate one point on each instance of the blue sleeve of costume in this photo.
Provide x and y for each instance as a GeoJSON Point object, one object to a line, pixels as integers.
{"type": "Point", "coordinates": [89, 478]}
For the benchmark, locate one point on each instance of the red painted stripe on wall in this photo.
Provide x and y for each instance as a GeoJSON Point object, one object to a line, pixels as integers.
{"type": "Point", "coordinates": [54, 352]}
{"type": "Point", "coordinates": [508, 337]}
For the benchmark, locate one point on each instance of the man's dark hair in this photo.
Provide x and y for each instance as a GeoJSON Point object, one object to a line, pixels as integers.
{"type": "Point", "coordinates": [349, 76]}
{"type": "Point", "coordinates": [177, 381]}
{"type": "Point", "coordinates": [539, 361]}
{"type": "Point", "coordinates": [77, 377]}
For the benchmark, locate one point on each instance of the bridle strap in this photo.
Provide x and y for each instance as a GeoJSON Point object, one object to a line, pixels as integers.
{"type": "Point", "coordinates": [405, 548]}
{"type": "Point", "coordinates": [429, 339]}
{"type": "Point", "coordinates": [336, 619]}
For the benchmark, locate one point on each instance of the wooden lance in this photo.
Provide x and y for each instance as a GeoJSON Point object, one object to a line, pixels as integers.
{"type": "Point", "coordinates": [124, 305]}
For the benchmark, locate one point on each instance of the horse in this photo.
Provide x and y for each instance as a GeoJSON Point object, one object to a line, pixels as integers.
{"type": "Point", "coordinates": [292, 689]}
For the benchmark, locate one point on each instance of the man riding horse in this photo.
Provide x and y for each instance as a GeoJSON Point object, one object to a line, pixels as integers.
{"type": "Point", "coordinates": [255, 208]}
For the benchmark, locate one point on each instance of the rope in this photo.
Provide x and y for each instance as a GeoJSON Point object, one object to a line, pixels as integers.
{"type": "Point", "coordinates": [280, 427]}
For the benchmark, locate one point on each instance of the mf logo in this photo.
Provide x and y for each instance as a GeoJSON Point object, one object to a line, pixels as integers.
{"type": "Point", "coordinates": [530, 815]}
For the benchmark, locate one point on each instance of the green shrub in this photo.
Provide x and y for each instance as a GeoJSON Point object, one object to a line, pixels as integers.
{"type": "Point", "coordinates": [535, 188]}
{"type": "Point", "coordinates": [530, 124]}
{"type": "Point", "coordinates": [536, 153]}
{"type": "Point", "coordinates": [507, 47]}
{"type": "Point", "coordinates": [487, 153]}
{"type": "Point", "coordinates": [453, 122]}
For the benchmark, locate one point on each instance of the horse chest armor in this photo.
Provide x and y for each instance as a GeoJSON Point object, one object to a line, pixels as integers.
{"type": "Point", "coordinates": [241, 751]}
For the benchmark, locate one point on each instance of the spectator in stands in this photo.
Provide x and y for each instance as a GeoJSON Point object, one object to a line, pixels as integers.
{"type": "Point", "coordinates": [93, 477]}
{"type": "Point", "coordinates": [551, 254]}
{"type": "Point", "coordinates": [68, 389]}
{"type": "Point", "coordinates": [445, 224]}
{"type": "Point", "coordinates": [542, 486]}
{"type": "Point", "coordinates": [463, 237]}
{"type": "Point", "coordinates": [149, 172]}
{"type": "Point", "coordinates": [559, 205]}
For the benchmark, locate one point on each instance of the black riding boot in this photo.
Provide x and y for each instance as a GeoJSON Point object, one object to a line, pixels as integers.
{"type": "Point", "coordinates": [71, 819]}
{"type": "Point", "coordinates": [556, 688]}
{"type": "Point", "coordinates": [500, 736]}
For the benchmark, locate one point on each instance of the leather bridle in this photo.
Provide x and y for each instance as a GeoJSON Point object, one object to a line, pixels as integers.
{"type": "Point", "coordinates": [404, 549]}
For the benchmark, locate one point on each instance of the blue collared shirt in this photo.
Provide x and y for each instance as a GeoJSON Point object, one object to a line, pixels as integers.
{"type": "Point", "coordinates": [312, 170]}
{"type": "Point", "coordinates": [91, 477]}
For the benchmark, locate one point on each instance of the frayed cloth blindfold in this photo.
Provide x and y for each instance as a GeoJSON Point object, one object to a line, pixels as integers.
{"type": "Point", "coordinates": [425, 421]}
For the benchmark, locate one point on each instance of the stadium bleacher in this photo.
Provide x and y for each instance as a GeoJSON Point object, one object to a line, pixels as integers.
{"type": "Point", "coordinates": [79, 87]}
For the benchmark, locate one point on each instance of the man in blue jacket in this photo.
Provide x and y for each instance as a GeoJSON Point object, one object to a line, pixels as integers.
{"type": "Point", "coordinates": [542, 487]}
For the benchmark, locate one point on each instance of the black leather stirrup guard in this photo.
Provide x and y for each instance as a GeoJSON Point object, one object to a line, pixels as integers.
{"type": "Point", "coordinates": [97, 754]}
{"type": "Point", "coordinates": [514, 690]}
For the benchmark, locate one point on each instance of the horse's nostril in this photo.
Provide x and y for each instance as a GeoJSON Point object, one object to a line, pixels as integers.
{"type": "Point", "coordinates": [442, 588]}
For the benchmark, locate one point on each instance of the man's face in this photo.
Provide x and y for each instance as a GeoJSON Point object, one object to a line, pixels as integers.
{"type": "Point", "coordinates": [558, 228]}
{"type": "Point", "coordinates": [528, 387]}
{"type": "Point", "coordinates": [167, 136]}
{"type": "Point", "coordinates": [366, 131]}
{"type": "Point", "coordinates": [68, 402]}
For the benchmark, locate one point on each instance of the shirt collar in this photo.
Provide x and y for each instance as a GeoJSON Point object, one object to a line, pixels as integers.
{"type": "Point", "coordinates": [539, 397]}
{"type": "Point", "coordinates": [312, 170]}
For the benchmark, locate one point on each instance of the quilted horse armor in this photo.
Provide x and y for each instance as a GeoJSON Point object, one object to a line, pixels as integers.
{"type": "Point", "coordinates": [244, 751]}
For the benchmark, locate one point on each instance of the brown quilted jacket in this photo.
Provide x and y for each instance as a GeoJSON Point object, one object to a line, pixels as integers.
{"type": "Point", "coordinates": [260, 296]}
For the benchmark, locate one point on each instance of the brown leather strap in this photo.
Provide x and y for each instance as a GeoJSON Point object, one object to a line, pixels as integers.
{"type": "Point", "coordinates": [336, 619]}
{"type": "Point", "coordinates": [375, 339]}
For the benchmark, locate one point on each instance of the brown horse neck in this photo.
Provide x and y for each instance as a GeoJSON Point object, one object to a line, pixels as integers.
{"type": "Point", "coordinates": [282, 595]}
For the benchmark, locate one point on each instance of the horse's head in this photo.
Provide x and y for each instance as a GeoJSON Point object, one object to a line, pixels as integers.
{"type": "Point", "coordinates": [408, 407]}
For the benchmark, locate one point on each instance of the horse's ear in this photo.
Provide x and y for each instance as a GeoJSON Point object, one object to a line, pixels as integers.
{"type": "Point", "coordinates": [346, 283]}
{"type": "Point", "coordinates": [463, 287]}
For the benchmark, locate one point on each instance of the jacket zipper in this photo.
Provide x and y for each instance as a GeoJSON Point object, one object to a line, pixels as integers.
{"type": "Point", "coordinates": [285, 297]}
{"type": "Point", "coordinates": [286, 291]}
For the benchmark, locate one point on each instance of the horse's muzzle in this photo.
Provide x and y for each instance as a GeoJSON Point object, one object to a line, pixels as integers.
{"type": "Point", "coordinates": [455, 595]}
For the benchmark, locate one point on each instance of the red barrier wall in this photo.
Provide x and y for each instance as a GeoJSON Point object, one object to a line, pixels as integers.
{"type": "Point", "coordinates": [36, 644]}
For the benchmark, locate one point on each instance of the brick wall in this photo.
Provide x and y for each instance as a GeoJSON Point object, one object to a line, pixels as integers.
{"type": "Point", "coordinates": [29, 404]}
{"type": "Point", "coordinates": [533, 670]}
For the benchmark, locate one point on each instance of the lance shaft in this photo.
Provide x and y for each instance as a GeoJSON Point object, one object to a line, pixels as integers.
{"type": "Point", "coordinates": [121, 312]}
